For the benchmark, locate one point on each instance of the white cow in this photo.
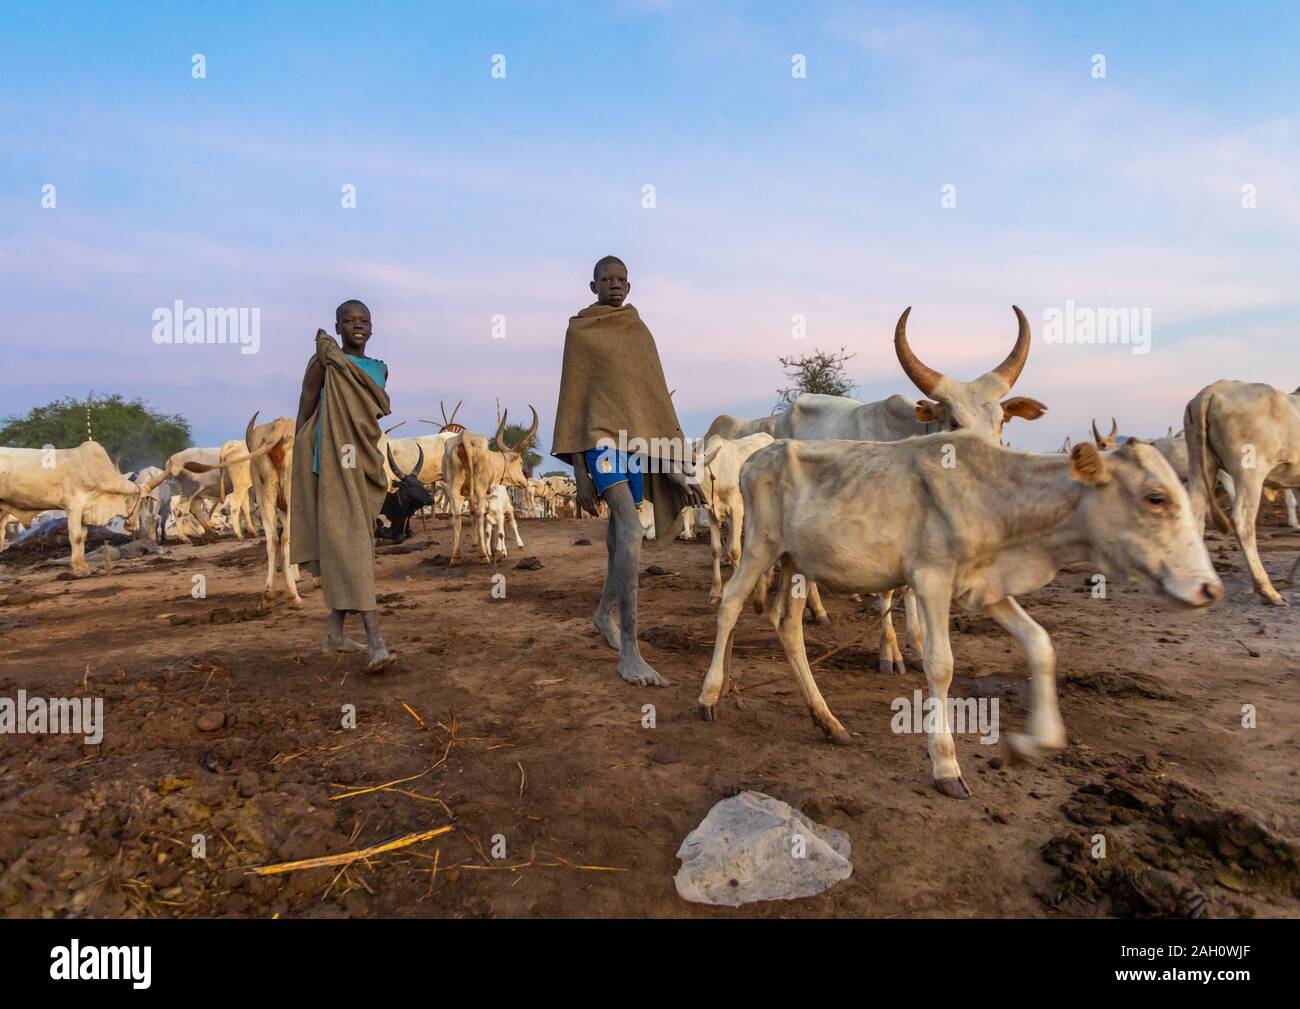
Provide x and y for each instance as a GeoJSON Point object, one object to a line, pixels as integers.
{"type": "Point", "coordinates": [237, 502]}
{"type": "Point", "coordinates": [872, 517]}
{"type": "Point", "coordinates": [499, 511]}
{"type": "Point", "coordinates": [953, 405]}
{"type": "Point", "coordinates": [718, 471]}
{"type": "Point", "coordinates": [196, 490]}
{"type": "Point", "coordinates": [1250, 431]}
{"type": "Point", "coordinates": [82, 480]}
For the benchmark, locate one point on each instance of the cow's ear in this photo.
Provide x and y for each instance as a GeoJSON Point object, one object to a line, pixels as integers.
{"type": "Point", "coordinates": [1088, 465]}
{"type": "Point", "coordinates": [1022, 406]}
{"type": "Point", "coordinates": [927, 411]}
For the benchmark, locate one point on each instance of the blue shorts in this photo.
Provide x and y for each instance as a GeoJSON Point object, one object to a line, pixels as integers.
{"type": "Point", "coordinates": [609, 466]}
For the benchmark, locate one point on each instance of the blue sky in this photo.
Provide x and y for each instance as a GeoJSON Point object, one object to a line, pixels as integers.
{"type": "Point", "coordinates": [774, 196]}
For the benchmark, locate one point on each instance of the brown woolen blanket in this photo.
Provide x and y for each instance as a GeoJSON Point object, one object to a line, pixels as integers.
{"type": "Point", "coordinates": [333, 514]}
{"type": "Point", "coordinates": [612, 381]}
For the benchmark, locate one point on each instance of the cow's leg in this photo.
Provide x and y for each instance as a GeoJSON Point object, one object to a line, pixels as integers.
{"type": "Point", "coordinates": [288, 570]}
{"type": "Point", "coordinates": [234, 517]}
{"type": "Point", "coordinates": [200, 511]}
{"type": "Point", "coordinates": [1245, 508]}
{"type": "Point", "coordinates": [790, 631]}
{"type": "Point", "coordinates": [715, 547]}
{"type": "Point", "coordinates": [755, 565]}
{"type": "Point", "coordinates": [269, 518]}
{"type": "Point", "coordinates": [934, 594]}
{"type": "Point", "coordinates": [1046, 730]}
{"type": "Point", "coordinates": [1291, 519]}
{"type": "Point", "coordinates": [624, 565]}
{"type": "Point", "coordinates": [913, 621]}
{"type": "Point", "coordinates": [77, 540]}
{"type": "Point", "coordinates": [604, 618]}
{"type": "Point", "coordinates": [891, 656]}
{"type": "Point", "coordinates": [519, 540]}
{"type": "Point", "coordinates": [483, 545]}
{"type": "Point", "coordinates": [815, 603]}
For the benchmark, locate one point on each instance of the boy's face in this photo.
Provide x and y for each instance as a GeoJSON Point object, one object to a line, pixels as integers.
{"type": "Point", "coordinates": [610, 285]}
{"type": "Point", "coordinates": [353, 328]}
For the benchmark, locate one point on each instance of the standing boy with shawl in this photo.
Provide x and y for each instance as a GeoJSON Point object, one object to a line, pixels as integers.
{"type": "Point", "coordinates": [339, 487]}
{"type": "Point", "coordinates": [613, 384]}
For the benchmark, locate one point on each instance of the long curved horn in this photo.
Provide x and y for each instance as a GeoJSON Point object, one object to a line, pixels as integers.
{"type": "Point", "coordinates": [501, 426]}
{"type": "Point", "coordinates": [1010, 369]}
{"type": "Point", "coordinates": [532, 432]}
{"type": "Point", "coordinates": [419, 463]}
{"type": "Point", "coordinates": [154, 484]}
{"type": "Point", "coordinates": [392, 463]}
{"type": "Point", "coordinates": [1114, 428]}
{"type": "Point", "coordinates": [390, 430]}
{"type": "Point", "coordinates": [248, 431]}
{"type": "Point", "coordinates": [922, 376]}
{"type": "Point", "coordinates": [1096, 435]}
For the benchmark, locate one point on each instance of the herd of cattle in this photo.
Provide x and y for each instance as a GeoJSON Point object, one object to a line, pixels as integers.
{"type": "Point", "coordinates": [901, 495]}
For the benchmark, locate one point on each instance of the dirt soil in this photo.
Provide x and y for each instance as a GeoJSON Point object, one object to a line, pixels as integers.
{"type": "Point", "coordinates": [505, 722]}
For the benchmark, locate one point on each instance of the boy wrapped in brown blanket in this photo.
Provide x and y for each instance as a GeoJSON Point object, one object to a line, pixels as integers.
{"type": "Point", "coordinates": [333, 511]}
{"type": "Point", "coordinates": [612, 381]}
{"type": "Point", "coordinates": [613, 398]}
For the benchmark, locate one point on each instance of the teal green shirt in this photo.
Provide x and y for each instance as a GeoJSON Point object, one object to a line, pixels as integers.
{"type": "Point", "coordinates": [373, 367]}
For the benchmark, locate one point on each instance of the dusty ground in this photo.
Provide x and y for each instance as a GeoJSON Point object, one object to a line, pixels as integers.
{"type": "Point", "coordinates": [505, 717]}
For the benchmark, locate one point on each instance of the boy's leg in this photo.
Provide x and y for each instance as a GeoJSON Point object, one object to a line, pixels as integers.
{"type": "Point", "coordinates": [334, 639]}
{"type": "Point", "coordinates": [380, 657]}
{"type": "Point", "coordinates": [624, 562]}
{"type": "Point", "coordinates": [604, 618]}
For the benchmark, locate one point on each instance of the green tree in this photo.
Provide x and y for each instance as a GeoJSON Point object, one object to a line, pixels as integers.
{"type": "Point", "coordinates": [822, 371]}
{"type": "Point", "coordinates": [133, 435]}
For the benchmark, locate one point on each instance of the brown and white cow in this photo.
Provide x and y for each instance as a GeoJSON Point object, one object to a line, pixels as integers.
{"type": "Point", "coordinates": [81, 481]}
{"type": "Point", "coordinates": [1251, 431]}
{"type": "Point", "coordinates": [269, 451]}
{"type": "Point", "coordinates": [470, 468]}
{"type": "Point", "coordinates": [958, 519]}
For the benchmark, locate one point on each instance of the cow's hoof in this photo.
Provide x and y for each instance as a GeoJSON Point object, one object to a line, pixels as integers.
{"type": "Point", "coordinates": [295, 604]}
{"type": "Point", "coordinates": [900, 667]}
{"type": "Point", "coordinates": [268, 602]}
{"type": "Point", "coordinates": [953, 788]}
{"type": "Point", "coordinates": [887, 667]}
{"type": "Point", "coordinates": [715, 600]}
{"type": "Point", "coordinates": [834, 731]}
{"type": "Point", "coordinates": [823, 620]}
{"type": "Point", "coordinates": [708, 712]}
{"type": "Point", "coordinates": [1024, 749]}
{"type": "Point", "coordinates": [1276, 600]}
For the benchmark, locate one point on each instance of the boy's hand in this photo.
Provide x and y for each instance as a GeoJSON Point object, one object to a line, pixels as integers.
{"type": "Point", "coordinates": [586, 490]}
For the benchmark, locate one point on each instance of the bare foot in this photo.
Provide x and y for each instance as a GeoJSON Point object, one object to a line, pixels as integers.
{"type": "Point", "coordinates": [605, 623]}
{"type": "Point", "coordinates": [638, 672]}
{"type": "Point", "coordinates": [380, 659]}
{"type": "Point", "coordinates": [341, 644]}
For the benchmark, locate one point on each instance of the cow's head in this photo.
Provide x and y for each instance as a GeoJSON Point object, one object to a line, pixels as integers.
{"type": "Point", "coordinates": [1106, 442]}
{"type": "Point", "coordinates": [973, 406]}
{"type": "Point", "coordinates": [410, 495]}
{"type": "Point", "coordinates": [513, 455]}
{"type": "Point", "coordinates": [1138, 519]}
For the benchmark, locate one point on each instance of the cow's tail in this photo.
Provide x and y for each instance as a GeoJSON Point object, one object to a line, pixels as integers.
{"type": "Point", "coordinates": [204, 467]}
{"type": "Point", "coordinates": [1202, 462]}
